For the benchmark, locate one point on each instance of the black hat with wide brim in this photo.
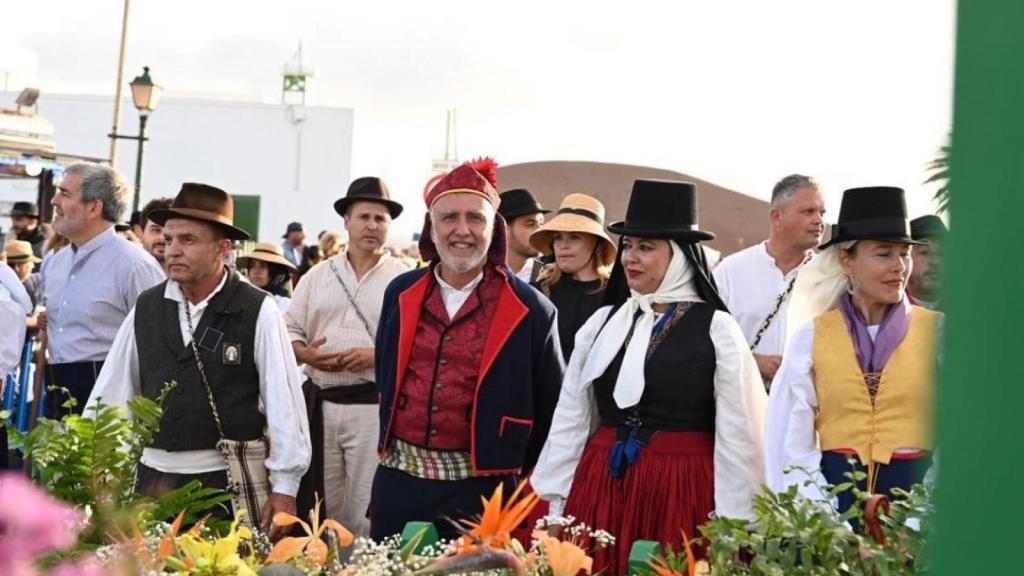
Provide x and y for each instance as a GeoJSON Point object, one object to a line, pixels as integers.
{"type": "Point", "coordinates": [665, 209]}
{"type": "Point", "coordinates": [368, 189]}
{"type": "Point", "coordinates": [205, 204]}
{"type": "Point", "coordinates": [927, 228]}
{"type": "Point", "coordinates": [872, 213]}
{"type": "Point", "coordinates": [519, 202]}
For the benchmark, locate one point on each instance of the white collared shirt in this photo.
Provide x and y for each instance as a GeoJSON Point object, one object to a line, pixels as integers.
{"type": "Point", "coordinates": [15, 305]}
{"type": "Point", "coordinates": [526, 272]}
{"type": "Point", "coordinates": [89, 289]}
{"type": "Point", "coordinates": [454, 297]}
{"type": "Point", "coordinates": [280, 394]}
{"type": "Point", "coordinates": [750, 283]}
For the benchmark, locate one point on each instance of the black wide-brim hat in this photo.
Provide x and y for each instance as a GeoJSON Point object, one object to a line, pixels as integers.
{"type": "Point", "coordinates": [519, 202]}
{"type": "Point", "coordinates": [206, 204]}
{"type": "Point", "coordinates": [28, 209]}
{"type": "Point", "coordinates": [872, 213]}
{"type": "Point", "coordinates": [368, 189]}
{"type": "Point", "coordinates": [928, 227]}
{"type": "Point", "coordinates": [665, 209]}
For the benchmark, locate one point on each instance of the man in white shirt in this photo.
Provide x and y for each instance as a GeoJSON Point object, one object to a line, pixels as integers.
{"type": "Point", "coordinates": [524, 216]}
{"type": "Point", "coordinates": [755, 283]}
{"type": "Point", "coordinates": [332, 324]}
{"type": "Point", "coordinates": [247, 380]}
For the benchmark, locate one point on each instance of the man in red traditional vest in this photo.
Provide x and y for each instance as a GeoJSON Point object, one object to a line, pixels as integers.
{"type": "Point", "coordinates": [468, 364]}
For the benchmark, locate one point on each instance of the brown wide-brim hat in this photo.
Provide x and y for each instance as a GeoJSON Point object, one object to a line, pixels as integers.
{"type": "Point", "coordinates": [368, 189]}
{"type": "Point", "coordinates": [19, 251]}
{"type": "Point", "coordinates": [204, 203]}
{"type": "Point", "coordinates": [577, 213]}
{"type": "Point", "coordinates": [266, 252]}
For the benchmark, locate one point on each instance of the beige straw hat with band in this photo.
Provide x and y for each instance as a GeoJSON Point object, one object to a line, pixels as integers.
{"type": "Point", "coordinates": [577, 213]}
{"type": "Point", "coordinates": [266, 252]}
{"type": "Point", "coordinates": [20, 251]}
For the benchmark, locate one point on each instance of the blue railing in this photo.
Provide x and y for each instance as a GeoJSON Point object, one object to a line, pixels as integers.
{"type": "Point", "coordinates": [16, 389]}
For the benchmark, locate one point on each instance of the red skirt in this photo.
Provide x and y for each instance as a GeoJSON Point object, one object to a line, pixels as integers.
{"type": "Point", "coordinates": [670, 488]}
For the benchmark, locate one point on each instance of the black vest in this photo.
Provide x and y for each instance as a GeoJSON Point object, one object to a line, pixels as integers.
{"type": "Point", "coordinates": [187, 422]}
{"type": "Point", "coordinates": [679, 394]}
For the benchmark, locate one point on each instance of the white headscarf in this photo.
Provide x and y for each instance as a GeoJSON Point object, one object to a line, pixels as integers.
{"type": "Point", "coordinates": [678, 285]}
{"type": "Point", "coordinates": [819, 284]}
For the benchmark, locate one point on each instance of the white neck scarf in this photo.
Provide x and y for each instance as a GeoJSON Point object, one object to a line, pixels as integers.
{"type": "Point", "coordinates": [677, 286]}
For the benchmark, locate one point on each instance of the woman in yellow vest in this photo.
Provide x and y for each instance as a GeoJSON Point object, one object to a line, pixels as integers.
{"type": "Point", "coordinates": [857, 380]}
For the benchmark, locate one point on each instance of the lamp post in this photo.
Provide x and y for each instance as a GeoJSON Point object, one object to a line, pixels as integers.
{"type": "Point", "coordinates": [145, 95]}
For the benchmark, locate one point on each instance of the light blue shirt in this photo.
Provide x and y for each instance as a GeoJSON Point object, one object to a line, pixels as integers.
{"type": "Point", "coordinates": [88, 291]}
{"type": "Point", "coordinates": [291, 253]}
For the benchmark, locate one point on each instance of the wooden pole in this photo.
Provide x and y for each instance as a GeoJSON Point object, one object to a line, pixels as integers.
{"type": "Point", "coordinates": [119, 90]}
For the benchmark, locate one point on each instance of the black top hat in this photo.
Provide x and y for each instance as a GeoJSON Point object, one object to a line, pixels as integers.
{"type": "Point", "coordinates": [368, 189]}
{"type": "Point", "coordinates": [872, 213]}
{"type": "Point", "coordinates": [203, 203]}
{"type": "Point", "coordinates": [25, 209]}
{"type": "Point", "coordinates": [928, 227]}
{"type": "Point", "coordinates": [662, 209]}
{"type": "Point", "coordinates": [519, 202]}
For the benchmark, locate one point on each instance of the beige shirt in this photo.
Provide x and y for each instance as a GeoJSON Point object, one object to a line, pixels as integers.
{"type": "Point", "coordinates": [320, 309]}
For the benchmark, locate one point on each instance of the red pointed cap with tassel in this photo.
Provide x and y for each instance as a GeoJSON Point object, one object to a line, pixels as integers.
{"type": "Point", "coordinates": [478, 177]}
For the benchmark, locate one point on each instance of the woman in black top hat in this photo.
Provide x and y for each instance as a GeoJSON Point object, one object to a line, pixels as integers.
{"type": "Point", "coordinates": [660, 415]}
{"type": "Point", "coordinates": [858, 378]}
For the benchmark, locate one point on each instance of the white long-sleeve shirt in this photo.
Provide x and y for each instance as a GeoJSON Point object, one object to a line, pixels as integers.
{"type": "Point", "coordinates": [750, 283]}
{"type": "Point", "coordinates": [15, 305]}
{"type": "Point", "coordinates": [280, 394]}
{"type": "Point", "coordinates": [739, 421]}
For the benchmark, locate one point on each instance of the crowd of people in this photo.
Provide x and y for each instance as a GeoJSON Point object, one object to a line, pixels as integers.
{"type": "Point", "coordinates": [635, 387]}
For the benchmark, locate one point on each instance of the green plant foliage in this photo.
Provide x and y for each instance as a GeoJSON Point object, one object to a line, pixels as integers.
{"type": "Point", "coordinates": [91, 461]}
{"type": "Point", "coordinates": [796, 536]}
{"type": "Point", "coordinates": [939, 168]}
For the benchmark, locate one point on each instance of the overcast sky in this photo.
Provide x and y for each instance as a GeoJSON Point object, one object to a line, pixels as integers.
{"type": "Point", "coordinates": [738, 93]}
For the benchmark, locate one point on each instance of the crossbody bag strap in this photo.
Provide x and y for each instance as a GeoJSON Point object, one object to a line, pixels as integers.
{"type": "Point", "coordinates": [352, 301]}
{"type": "Point", "coordinates": [202, 371]}
{"type": "Point", "coordinates": [778, 305]}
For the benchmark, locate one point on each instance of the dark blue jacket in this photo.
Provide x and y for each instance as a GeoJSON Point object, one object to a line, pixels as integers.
{"type": "Point", "coordinates": [520, 372]}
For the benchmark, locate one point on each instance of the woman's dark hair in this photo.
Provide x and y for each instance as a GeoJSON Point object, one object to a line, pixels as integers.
{"type": "Point", "coordinates": [280, 280]}
{"type": "Point", "coordinates": [310, 256]}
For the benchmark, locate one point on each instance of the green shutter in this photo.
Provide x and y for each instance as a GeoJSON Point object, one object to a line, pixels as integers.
{"type": "Point", "coordinates": [247, 214]}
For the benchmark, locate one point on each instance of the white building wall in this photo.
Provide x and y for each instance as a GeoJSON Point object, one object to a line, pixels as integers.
{"type": "Point", "coordinates": [244, 148]}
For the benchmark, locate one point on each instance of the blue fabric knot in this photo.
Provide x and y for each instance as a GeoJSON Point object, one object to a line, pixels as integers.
{"type": "Point", "coordinates": [625, 453]}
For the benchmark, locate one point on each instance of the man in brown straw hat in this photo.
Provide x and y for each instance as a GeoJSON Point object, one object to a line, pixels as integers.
{"type": "Point", "coordinates": [224, 343]}
{"type": "Point", "coordinates": [332, 322]}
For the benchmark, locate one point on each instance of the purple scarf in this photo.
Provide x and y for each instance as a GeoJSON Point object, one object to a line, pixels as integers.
{"type": "Point", "coordinates": [872, 355]}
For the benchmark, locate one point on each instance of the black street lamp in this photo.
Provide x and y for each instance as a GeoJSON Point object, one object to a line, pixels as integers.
{"type": "Point", "coordinates": [145, 95]}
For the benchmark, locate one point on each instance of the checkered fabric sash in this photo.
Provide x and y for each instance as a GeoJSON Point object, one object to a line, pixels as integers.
{"type": "Point", "coordinates": [430, 464]}
{"type": "Point", "coordinates": [248, 479]}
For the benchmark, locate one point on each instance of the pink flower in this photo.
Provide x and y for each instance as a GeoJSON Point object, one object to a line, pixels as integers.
{"type": "Point", "coordinates": [87, 567]}
{"type": "Point", "coordinates": [32, 523]}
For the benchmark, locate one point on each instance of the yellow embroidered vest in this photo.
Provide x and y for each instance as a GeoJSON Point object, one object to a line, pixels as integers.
{"type": "Point", "coordinates": [902, 414]}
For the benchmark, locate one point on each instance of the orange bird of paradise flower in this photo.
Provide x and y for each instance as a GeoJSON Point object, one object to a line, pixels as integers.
{"type": "Point", "coordinates": [311, 544]}
{"type": "Point", "coordinates": [494, 526]}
